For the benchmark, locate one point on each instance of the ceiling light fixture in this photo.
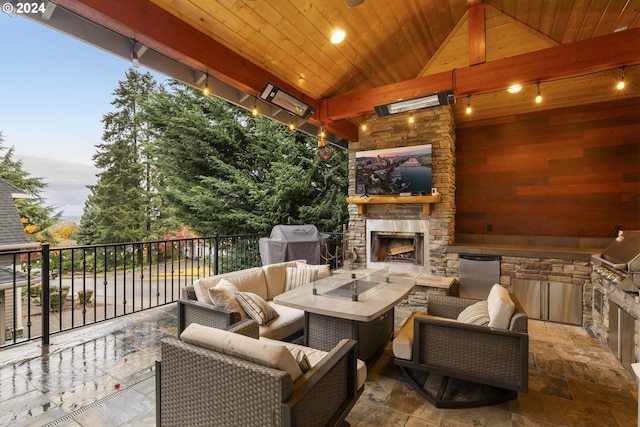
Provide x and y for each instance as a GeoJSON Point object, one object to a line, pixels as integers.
{"type": "Point", "coordinates": [282, 99]}
{"type": "Point", "coordinates": [620, 84]}
{"type": "Point", "coordinates": [292, 125]}
{"type": "Point", "coordinates": [254, 110]}
{"type": "Point", "coordinates": [468, 110]}
{"type": "Point", "coordinates": [514, 88]}
{"type": "Point", "coordinates": [435, 100]}
{"type": "Point", "coordinates": [134, 55]}
{"type": "Point", "coordinates": [538, 96]}
{"type": "Point", "coordinates": [206, 91]}
{"type": "Point", "coordinates": [337, 36]}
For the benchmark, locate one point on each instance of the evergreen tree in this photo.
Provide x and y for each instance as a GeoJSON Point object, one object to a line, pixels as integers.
{"type": "Point", "coordinates": [227, 172]}
{"type": "Point", "coordinates": [36, 216]}
{"type": "Point", "coordinates": [123, 205]}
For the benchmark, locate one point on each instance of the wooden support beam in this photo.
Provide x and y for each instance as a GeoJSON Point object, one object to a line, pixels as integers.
{"type": "Point", "coordinates": [573, 59]}
{"type": "Point", "coordinates": [477, 34]}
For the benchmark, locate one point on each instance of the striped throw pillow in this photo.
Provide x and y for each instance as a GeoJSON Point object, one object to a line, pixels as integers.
{"type": "Point", "coordinates": [297, 277]}
{"type": "Point", "coordinates": [302, 359]}
{"type": "Point", "coordinates": [475, 314]}
{"type": "Point", "coordinates": [256, 307]}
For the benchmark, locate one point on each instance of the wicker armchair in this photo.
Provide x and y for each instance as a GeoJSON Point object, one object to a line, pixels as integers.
{"type": "Point", "coordinates": [199, 386]}
{"type": "Point", "coordinates": [489, 365]}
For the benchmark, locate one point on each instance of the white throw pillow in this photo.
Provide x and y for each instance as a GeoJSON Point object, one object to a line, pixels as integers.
{"type": "Point", "coordinates": [223, 295]}
{"type": "Point", "coordinates": [500, 307]}
{"type": "Point", "coordinates": [475, 314]}
{"type": "Point", "coordinates": [297, 277]}
{"type": "Point", "coordinates": [256, 307]}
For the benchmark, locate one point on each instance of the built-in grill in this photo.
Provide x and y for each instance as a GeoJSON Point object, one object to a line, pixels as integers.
{"type": "Point", "coordinates": [619, 262]}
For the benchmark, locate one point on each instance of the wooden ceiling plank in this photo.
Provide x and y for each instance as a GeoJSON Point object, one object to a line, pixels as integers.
{"type": "Point", "coordinates": [591, 20]}
{"type": "Point", "coordinates": [608, 19]}
{"type": "Point", "coordinates": [477, 35]}
{"type": "Point", "coordinates": [534, 15]}
{"type": "Point", "coordinates": [452, 53]}
{"type": "Point", "coordinates": [629, 16]}
{"type": "Point", "coordinates": [575, 21]}
{"type": "Point", "coordinates": [561, 19]}
{"type": "Point", "coordinates": [549, 16]}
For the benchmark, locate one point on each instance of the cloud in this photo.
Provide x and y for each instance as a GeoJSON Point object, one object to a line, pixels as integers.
{"type": "Point", "coordinates": [66, 181]}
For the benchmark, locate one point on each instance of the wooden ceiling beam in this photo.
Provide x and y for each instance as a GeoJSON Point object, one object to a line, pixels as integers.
{"type": "Point", "coordinates": [573, 59]}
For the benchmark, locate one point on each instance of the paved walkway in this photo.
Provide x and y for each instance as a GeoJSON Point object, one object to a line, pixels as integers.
{"type": "Point", "coordinates": [103, 375]}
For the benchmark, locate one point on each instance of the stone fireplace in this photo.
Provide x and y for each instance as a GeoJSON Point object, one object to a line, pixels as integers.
{"type": "Point", "coordinates": [401, 234]}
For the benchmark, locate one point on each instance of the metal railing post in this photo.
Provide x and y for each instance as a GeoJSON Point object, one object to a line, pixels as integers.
{"type": "Point", "coordinates": [44, 298]}
{"type": "Point", "coordinates": [216, 242]}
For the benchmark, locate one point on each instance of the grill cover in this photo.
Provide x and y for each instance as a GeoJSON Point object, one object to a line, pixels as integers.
{"type": "Point", "coordinates": [625, 250]}
{"type": "Point", "coordinates": [291, 242]}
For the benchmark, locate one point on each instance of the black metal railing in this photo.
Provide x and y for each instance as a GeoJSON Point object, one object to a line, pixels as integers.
{"type": "Point", "coordinates": [51, 290]}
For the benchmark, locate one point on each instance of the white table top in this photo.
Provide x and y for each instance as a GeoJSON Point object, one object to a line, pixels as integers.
{"type": "Point", "coordinates": [371, 303]}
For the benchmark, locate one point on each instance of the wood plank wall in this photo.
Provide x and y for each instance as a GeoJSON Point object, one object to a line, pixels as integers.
{"type": "Point", "coordinates": [566, 172]}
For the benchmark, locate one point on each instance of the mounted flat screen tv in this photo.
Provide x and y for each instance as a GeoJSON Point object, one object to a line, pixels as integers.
{"type": "Point", "coordinates": [394, 171]}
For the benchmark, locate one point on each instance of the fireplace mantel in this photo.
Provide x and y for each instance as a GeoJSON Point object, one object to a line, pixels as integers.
{"type": "Point", "coordinates": [363, 201]}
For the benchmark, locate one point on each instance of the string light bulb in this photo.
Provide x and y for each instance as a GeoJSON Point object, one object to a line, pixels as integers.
{"type": "Point", "coordinates": [254, 110]}
{"type": "Point", "coordinates": [468, 110]}
{"type": "Point", "coordinates": [206, 91]}
{"type": "Point", "coordinates": [134, 55]}
{"type": "Point", "coordinates": [538, 96]}
{"type": "Point", "coordinates": [363, 127]}
{"type": "Point", "coordinates": [411, 119]}
{"type": "Point", "coordinates": [292, 126]}
{"type": "Point", "coordinates": [321, 136]}
{"type": "Point", "coordinates": [620, 84]}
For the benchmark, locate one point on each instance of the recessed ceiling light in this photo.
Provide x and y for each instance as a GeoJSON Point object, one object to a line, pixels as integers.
{"type": "Point", "coordinates": [337, 36]}
{"type": "Point", "coordinates": [514, 88]}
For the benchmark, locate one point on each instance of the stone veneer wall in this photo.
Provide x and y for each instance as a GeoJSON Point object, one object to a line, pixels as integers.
{"type": "Point", "coordinates": [434, 126]}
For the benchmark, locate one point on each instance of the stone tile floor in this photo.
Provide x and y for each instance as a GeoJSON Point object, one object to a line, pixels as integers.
{"type": "Point", "coordinates": [103, 375]}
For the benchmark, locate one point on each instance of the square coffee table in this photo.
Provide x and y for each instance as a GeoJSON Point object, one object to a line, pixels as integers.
{"type": "Point", "coordinates": [357, 305]}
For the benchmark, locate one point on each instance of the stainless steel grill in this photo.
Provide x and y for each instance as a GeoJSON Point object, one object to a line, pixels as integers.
{"type": "Point", "coordinates": [619, 262]}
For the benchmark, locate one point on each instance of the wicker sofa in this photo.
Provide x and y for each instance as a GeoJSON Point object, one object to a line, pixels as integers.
{"type": "Point", "coordinates": [196, 304]}
{"type": "Point", "coordinates": [493, 359]}
{"type": "Point", "coordinates": [216, 377]}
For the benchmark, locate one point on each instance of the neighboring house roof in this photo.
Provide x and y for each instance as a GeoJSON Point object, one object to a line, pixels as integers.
{"type": "Point", "coordinates": [11, 229]}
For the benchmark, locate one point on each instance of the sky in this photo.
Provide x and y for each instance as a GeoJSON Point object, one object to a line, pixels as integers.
{"type": "Point", "coordinates": [54, 91]}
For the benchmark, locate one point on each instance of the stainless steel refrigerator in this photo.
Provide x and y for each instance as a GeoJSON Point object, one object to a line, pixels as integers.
{"type": "Point", "coordinates": [477, 274]}
{"type": "Point", "coordinates": [553, 301]}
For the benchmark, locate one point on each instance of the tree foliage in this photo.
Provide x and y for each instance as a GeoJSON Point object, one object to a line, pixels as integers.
{"type": "Point", "coordinates": [37, 217]}
{"type": "Point", "coordinates": [227, 172]}
{"type": "Point", "coordinates": [124, 204]}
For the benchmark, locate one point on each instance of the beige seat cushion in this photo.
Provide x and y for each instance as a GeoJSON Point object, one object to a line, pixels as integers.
{"type": "Point", "coordinates": [289, 321]}
{"type": "Point", "coordinates": [315, 356]}
{"type": "Point", "coordinates": [403, 342]}
{"type": "Point", "coordinates": [201, 286]}
{"type": "Point", "coordinates": [500, 307]}
{"type": "Point", "coordinates": [267, 353]}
